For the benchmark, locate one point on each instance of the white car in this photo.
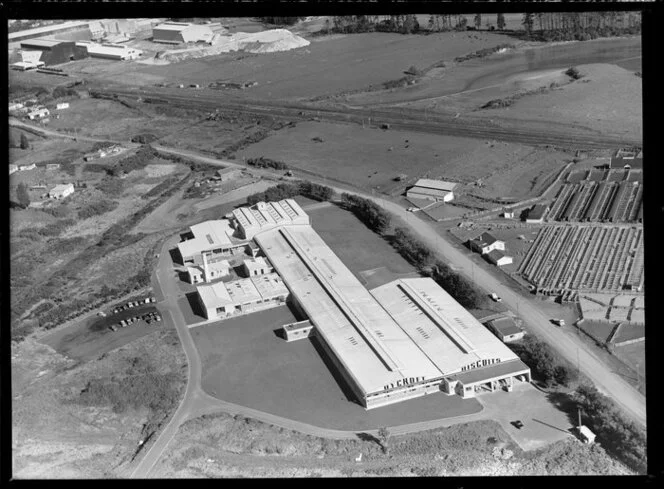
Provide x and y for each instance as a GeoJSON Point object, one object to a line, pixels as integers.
{"type": "Point", "coordinates": [494, 297]}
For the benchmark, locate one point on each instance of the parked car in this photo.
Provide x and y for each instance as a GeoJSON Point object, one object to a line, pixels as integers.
{"type": "Point", "coordinates": [517, 424]}
{"type": "Point", "coordinates": [112, 328]}
{"type": "Point", "coordinates": [558, 322]}
{"type": "Point", "coordinates": [158, 318]}
{"type": "Point", "coordinates": [495, 297]}
{"type": "Point", "coordinates": [152, 299]}
{"type": "Point", "coordinates": [147, 300]}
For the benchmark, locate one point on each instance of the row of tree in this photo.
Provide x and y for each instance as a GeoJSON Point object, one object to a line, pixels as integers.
{"type": "Point", "coordinates": [368, 212]}
{"type": "Point", "coordinates": [544, 363]}
{"type": "Point", "coordinates": [404, 24]}
{"type": "Point", "coordinates": [580, 26]}
{"type": "Point", "coordinates": [291, 189]}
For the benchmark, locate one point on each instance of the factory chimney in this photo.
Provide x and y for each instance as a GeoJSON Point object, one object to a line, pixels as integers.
{"type": "Point", "coordinates": [206, 270]}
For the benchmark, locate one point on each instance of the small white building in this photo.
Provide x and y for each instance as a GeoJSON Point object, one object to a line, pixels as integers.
{"type": "Point", "coordinates": [38, 113]}
{"type": "Point", "coordinates": [256, 266]}
{"type": "Point", "coordinates": [62, 106]}
{"type": "Point", "coordinates": [586, 435]}
{"type": "Point", "coordinates": [485, 243]}
{"type": "Point", "coordinates": [498, 258]}
{"type": "Point", "coordinates": [116, 52]}
{"type": "Point", "coordinates": [15, 106]}
{"type": "Point", "coordinates": [508, 214]}
{"type": "Point", "coordinates": [181, 32]}
{"type": "Point", "coordinates": [31, 166]}
{"type": "Point", "coordinates": [53, 166]}
{"type": "Point", "coordinates": [435, 190]}
{"type": "Point", "coordinates": [12, 169]}
{"type": "Point", "coordinates": [505, 329]}
{"type": "Point", "coordinates": [61, 191]}
{"type": "Point", "coordinates": [27, 65]}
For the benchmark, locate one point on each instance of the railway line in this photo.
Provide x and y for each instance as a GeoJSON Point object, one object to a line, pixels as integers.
{"type": "Point", "coordinates": [435, 124]}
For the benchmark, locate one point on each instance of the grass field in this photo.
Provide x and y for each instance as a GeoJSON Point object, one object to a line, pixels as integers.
{"type": "Point", "coordinates": [357, 247]}
{"type": "Point", "coordinates": [372, 158]}
{"type": "Point", "coordinates": [633, 355]}
{"type": "Point", "coordinates": [357, 61]}
{"type": "Point", "coordinates": [599, 330]}
{"type": "Point", "coordinates": [292, 379]}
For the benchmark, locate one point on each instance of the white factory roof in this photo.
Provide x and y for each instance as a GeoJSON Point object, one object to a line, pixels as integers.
{"type": "Point", "coordinates": [207, 235]}
{"type": "Point", "coordinates": [242, 291]}
{"type": "Point", "coordinates": [446, 332]}
{"type": "Point", "coordinates": [267, 215]}
{"type": "Point", "coordinates": [107, 49]}
{"type": "Point", "coordinates": [44, 43]}
{"type": "Point", "coordinates": [41, 30]}
{"type": "Point", "coordinates": [269, 285]}
{"type": "Point", "coordinates": [257, 263]}
{"type": "Point", "coordinates": [28, 64]}
{"type": "Point", "coordinates": [373, 348]}
{"type": "Point", "coordinates": [435, 184]}
{"type": "Point", "coordinates": [214, 295]}
{"type": "Point", "coordinates": [174, 26]}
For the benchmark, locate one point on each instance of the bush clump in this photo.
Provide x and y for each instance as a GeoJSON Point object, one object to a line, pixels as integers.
{"type": "Point", "coordinates": [262, 162]}
{"type": "Point", "coordinates": [573, 73]}
{"type": "Point", "coordinates": [375, 218]}
{"type": "Point", "coordinates": [97, 208]}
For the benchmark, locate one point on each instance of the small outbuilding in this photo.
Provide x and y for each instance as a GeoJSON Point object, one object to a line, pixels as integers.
{"type": "Point", "coordinates": [181, 32]}
{"type": "Point", "coordinates": [586, 435]}
{"type": "Point", "coordinates": [537, 213]}
{"type": "Point", "coordinates": [61, 191]}
{"type": "Point", "coordinates": [498, 258]}
{"type": "Point", "coordinates": [62, 106]}
{"type": "Point", "coordinates": [505, 329]}
{"type": "Point", "coordinates": [435, 190]}
{"type": "Point", "coordinates": [38, 113]}
{"type": "Point", "coordinates": [256, 266]}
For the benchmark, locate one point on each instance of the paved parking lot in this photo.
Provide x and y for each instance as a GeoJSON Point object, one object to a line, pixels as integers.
{"type": "Point", "coordinates": [542, 422]}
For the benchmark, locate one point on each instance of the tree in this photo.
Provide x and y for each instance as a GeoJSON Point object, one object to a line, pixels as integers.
{"type": "Point", "coordinates": [528, 20]}
{"type": "Point", "coordinates": [25, 144]}
{"type": "Point", "coordinates": [384, 437]}
{"type": "Point", "coordinates": [478, 21]}
{"type": "Point", "coordinates": [22, 195]}
{"type": "Point", "coordinates": [500, 22]}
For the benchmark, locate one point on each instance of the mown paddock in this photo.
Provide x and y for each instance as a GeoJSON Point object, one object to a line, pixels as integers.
{"type": "Point", "coordinates": [361, 156]}
{"type": "Point", "coordinates": [357, 61]}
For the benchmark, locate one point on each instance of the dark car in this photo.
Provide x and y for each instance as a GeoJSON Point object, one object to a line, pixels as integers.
{"type": "Point", "coordinates": [517, 424]}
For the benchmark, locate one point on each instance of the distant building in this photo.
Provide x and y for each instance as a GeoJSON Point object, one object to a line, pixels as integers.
{"type": "Point", "coordinates": [53, 51]}
{"type": "Point", "coordinates": [505, 329]}
{"type": "Point", "coordinates": [53, 166]}
{"type": "Point", "coordinates": [38, 113]}
{"type": "Point", "coordinates": [627, 159]}
{"type": "Point", "coordinates": [12, 169]}
{"type": "Point", "coordinates": [15, 106]}
{"type": "Point", "coordinates": [498, 258]}
{"type": "Point", "coordinates": [27, 65]}
{"type": "Point", "coordinates": [61, 191]}
{"type": "Point", "coordinates": [213, 238]}
{"type": "Point", "coordinates": [226, 174]}
{"type": "Point", "coordinates": [181, 32]}
{"type": "Point", "coordinates": [248, 221]}
{"type": "Point", "coordinates": [62, 106]}
{"type": "Point", "coordinates": [31, 166]}
{"type": "Point", "coordinates": [536, 214]}
{"type": "Point", "coordinates": [436, 190]}
{"type": "Point", "coordinates": [508, 214]}
{"type": "Point", "coordinates": [116, 52]}
{"type": "Point", "coordinates": [256, 266]}
{"type": "Point", "coordinates": [485, 243]}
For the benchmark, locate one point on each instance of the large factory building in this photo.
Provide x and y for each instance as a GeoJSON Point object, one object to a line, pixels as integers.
{"type": "Point", "coordinates": [181, 32]}
{"type": "Point", "coordinates": [54, 52]}
{"type": "Point", "coordinates": [405, 339]}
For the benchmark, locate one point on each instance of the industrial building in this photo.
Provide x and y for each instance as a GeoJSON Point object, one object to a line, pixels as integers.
{"type": "Point", "coordinates": [402, 340]}
{"type": "Point", "coordinates": [181, 32]}
{"type": "Point", "coordinates": [30, 166]}
{"type": "Point", "coordinates": [435, 190]}
{"type": "Point", "coordinates": [505, 329]}
{"type": "Point", "coordinates": [12, 168]}
{"type": "Point", "coordinates": [116, 52]}
{"type": "Point", "coordinates": [208, 271]}
{"type": "Point", "coordinates": [27, 65]}
{"type": "Point", "coordinates": [62, 106]}
{"type": "Point", "coordinates": [248, 221]}
{"type": "Point", "coordinates": [61, 191]}
{"type": "Point", "coordinates": [485, 243]}
{"type": "Point", "coordinates": [226, 174]}
{"type": "Point", "coordinates": [224, 299]}
{"type": "Point", "coordinates": [55, 52]}
{"type": "Point", "coordinates": [256, 266]}
{"type": "Point", "coordinates": [212, 238]}
{"type": "Point", "coordinates": [537, 213]}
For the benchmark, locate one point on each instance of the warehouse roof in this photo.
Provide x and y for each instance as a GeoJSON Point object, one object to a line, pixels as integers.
{"type": "Point", "coordinates": [214, 295]}
{"type": "Point", "coordinates": [495, 255]}
{"type": "Point", "coordinates": [496, 370]}
{"type": "Point", "coordinates": [41, 30]}
{"type": "Point", "coordinates": [505, 326]}
{"type": "Point", "coordinates": [41, 43]}
{"type": "Point", "coordinates": [269, 285]}
{"type": "Point", "coordinates": [207, 235]}
{"type": "Point", "coordinates": [174, 26]}
{"type": "Point", "coordinates": [256, 263]}
{"type": "Point", "coordinates": [408, 328]}
{"type": "Point", "coordinates": [435, 184]}
{"type": "Point", "coordinates": [243, 291]}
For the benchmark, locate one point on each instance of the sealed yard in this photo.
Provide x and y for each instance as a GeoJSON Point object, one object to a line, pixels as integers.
{"type": "Point", "coordinates": [294, 380]}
